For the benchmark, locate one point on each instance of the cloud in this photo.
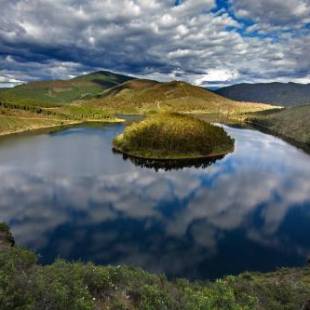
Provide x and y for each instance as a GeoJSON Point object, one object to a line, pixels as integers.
{"type": "Point", "coordinates": [195, 40]}
{"type": "Point", "coordinates": [217, 75]}
{"type": "Point", "coordinates": [293, 13]}
{"type": "Point", "coordinates": [7, 81]}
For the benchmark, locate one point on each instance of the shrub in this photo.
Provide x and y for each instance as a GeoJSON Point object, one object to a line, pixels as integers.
{"type": "Point", "coordinates": [26, 285]}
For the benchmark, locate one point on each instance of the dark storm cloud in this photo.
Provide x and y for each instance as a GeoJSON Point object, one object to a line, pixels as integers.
{"type": "Point", "coordinates": [193, 40]}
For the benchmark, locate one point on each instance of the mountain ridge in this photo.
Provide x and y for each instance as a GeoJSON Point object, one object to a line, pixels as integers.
{"type": "Point", "coordinates": [49, 93]}
{"type": "Point", "coordinates": [275, 93]}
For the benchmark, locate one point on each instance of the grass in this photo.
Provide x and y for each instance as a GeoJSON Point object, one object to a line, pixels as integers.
{"type": "Point", "coordinates": [25, 284]}
{"type": "Point", "coordinates": [14, 120]}
{"type": "Point", "coordinates": [173, 136]}
{"type": "Point", "coordinates": [291, 124]}
{"type": "Point", "coordinates": [81, 112]}
{"type": "Point", "coordinates": [15, 124]}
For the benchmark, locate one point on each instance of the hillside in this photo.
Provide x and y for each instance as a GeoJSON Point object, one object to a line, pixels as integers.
{"type": "Point", "coordinates": [284, 94]}
{"type": "Point", "coordinates": [59, 92]}
{"type": "Point", "coordinates": [292, 123]}
{"type": "Point", "coordinates": [25, 284]}
{"type": "Point", "coordinates": [145, 95]}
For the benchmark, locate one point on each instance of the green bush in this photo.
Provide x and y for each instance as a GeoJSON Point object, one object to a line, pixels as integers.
{"type": "Point", "coordinates": [26, 285]}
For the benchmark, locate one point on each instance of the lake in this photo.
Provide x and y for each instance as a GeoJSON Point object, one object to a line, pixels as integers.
{"type": "Point", "coordinates": [67, 195]}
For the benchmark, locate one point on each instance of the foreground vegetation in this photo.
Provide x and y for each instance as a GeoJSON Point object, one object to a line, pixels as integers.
{"type": "Point", "coordinates": [25, 284]}
{"type": "Point", "coordinates": [173, 136]}
{"type": "Point", "coordinates": [291, 124]}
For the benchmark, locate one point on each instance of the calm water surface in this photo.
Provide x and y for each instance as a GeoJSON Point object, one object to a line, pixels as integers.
{"type": "Point", "coordinates": [67, 195]}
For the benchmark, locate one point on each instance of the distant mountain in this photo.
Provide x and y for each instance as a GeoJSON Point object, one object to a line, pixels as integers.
{"type": "Point", "coordinates": [178, 96]}
{"type": "Point", "coordinates": [285, 94]}
{"type": "Point", "coordinates": [59, 92]}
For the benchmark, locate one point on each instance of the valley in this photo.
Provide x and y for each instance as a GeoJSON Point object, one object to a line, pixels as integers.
{"type": "Point", "coordinates": [99, 96]}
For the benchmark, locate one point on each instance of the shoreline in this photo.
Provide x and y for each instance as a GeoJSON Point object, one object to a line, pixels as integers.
{"type": "Point", "coordinates": [229, 122]}
{"type": "Point", "coordinates": [166, 159]}
{"type": "Point", "coordinates": [300, 145]}
{"type": "Point", "coordinates": [63, 124]}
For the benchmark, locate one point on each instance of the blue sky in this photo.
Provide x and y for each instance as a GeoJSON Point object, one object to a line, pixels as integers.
{"type": "Point", "coordinates": [210, 43]}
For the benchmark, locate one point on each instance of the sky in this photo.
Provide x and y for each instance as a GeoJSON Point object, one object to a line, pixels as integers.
{"type": "Point", "coordinates": [211, 43]}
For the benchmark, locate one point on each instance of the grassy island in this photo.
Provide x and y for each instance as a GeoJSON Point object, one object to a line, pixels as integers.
{"type": "Point", "coordinates": [173, 136]}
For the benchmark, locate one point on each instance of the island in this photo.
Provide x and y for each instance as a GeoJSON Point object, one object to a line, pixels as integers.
{"type": "Point", "coordinates": [173, 136]}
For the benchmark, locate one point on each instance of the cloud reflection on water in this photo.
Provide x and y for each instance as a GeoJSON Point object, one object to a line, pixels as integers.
{"type": "Point", "coordinates": [176, 221]}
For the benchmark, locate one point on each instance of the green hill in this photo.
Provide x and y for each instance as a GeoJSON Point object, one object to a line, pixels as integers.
{"type": "Point", "coordinates": [60, 92]}
{"type": "Point", "coordinates": [145, 95]}
{"type": "Point", "coordinates": [292, 124]}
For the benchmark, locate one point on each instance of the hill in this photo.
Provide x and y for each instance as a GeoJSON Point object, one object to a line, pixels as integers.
{"type": "Point", "coordinates": [284, 94]}
{"type": "Point", "coordinates": [60, 92]}
{"type": "Point", "coordinates": [292, 124]}
{"type": "Point", "coordinates": [145, 95]}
